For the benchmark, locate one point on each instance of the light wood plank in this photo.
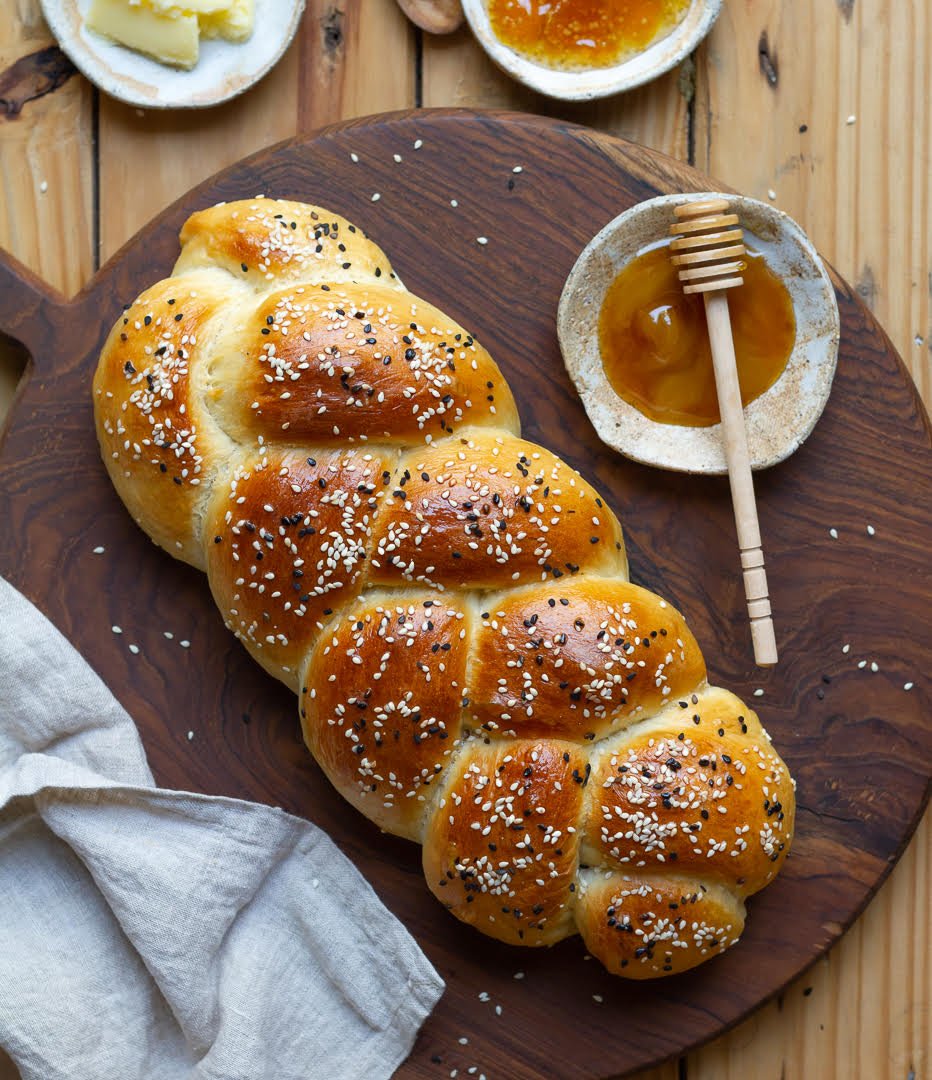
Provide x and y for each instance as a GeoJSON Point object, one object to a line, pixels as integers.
{"type": "Point", "coordinates": [46, 181]}
{"type": "Point", "coordinates": [329, 74]}
{"type": "Point", "coordinates": [457, 72]}
{"type": "Point", "coordinates": [358, 57]}
{"type": "Point", "coordinates": [148, 159]}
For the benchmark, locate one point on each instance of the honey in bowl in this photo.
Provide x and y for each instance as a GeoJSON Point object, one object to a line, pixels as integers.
{"type": "Point", "coordinates": [578, 34]}
{"type": "Point", "coordinates": [655, 346]}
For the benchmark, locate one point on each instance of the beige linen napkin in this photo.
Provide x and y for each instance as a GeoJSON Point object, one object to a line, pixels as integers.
{"type": "Point", "coordinates": [166, 935]}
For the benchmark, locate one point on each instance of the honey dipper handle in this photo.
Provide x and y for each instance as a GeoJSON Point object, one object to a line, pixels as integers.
{"type": "Point", "coordinates": [739, 476]}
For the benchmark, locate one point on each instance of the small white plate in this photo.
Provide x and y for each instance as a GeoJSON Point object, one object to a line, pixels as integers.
{"type": "Point", "coordinates": [781, 418]}
{"type": "Point", "coordinates": [596, 82]}
{"type": "Point", "coordinates": [223, 70]}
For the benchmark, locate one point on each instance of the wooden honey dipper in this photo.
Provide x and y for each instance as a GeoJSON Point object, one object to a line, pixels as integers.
{"type": "Point", "coordinates": [709, 247]}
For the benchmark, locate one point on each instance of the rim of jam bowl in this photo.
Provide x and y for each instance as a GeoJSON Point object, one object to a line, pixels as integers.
{"type": "Point", "coordinates": [588, 84]}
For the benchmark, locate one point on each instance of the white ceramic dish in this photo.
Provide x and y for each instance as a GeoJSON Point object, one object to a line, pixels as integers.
{"type": "Point", "coordinates": [598, 82]}
{"type": "Point", "coordinates": [223, 70]}
{"type": "Point", "coordinates": [781, 418]}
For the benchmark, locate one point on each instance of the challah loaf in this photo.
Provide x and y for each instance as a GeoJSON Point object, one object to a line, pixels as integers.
{"type": "Point", "coordinates": [450, 602]}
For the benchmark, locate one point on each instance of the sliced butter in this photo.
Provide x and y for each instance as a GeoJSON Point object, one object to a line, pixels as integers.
{"type": "Point", "coordinates": [169, 38]}
{"type": "Point", "coordinates": [169, 30]}
{"type": "Point", "coordinates": [233, 23]}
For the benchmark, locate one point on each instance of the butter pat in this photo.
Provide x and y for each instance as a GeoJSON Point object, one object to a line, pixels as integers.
{"type": "Point", "coordinates": [233, 22]}
{"type": "Point", "coordinates": [169, 38]}
{"type": "Point", "coordinates": [170, 30]}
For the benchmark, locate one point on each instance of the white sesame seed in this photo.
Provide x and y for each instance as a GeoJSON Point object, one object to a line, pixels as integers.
{"type": "Point", "coordinates": [418, 143]}
{"type": "Point", "coordinates": [771, 194]}
{"type": "Point", "coordinates": [43, 187]}
{"type": "Point", "coordinates": [862, 664]}
{"type": "Point", "coordinates": [397, 158]}
{"type": "Point", "coordinates": [185, 644]}
{"type": "Point", "coordinates": [376, 196]}
{"type": "Point", "coordinates": [463, 1041]}
{"type": "Point", "coordinates": [870, 530]}
{"type": "Point", "coordinates": [518, 168]}
{"type": "Point", "coordinates": [315, 883]}
{"type": "Point", "coordinates": [454, 203]}
{"type": "Point", "coordinates": [482, 240]}
{"type": "Point", "coordinates": [758, 692]}
{"type": "Point", "coordinates": [190, 736]}
{"type": "Point", "coordinates": [598, 999]}
{"type": "Point", "coordinates": [875, 667]}
{"type": "Point", "coordinates": [833, 533]}
{"type": "Point", "coordinates": [519, 975]}
{"type": "Point", "coordinates": [116, 629]}
{"type": "Point", "coordinates": [846, 649]}
{"type": "Point", "coordinates": [134, 649]}
{"type": "Point", "coordinates": [851, 119]}
{"type": "Point", "coordinates": [99, 550]}
{"type": "Point", "coordinates": [483, 995]}
{"type": "Point", "coordinates": [354, 157]}
{"type": "Point", "coordinates": [907, 686]}
{"type": "Point", "coordinates": [498, 1010]}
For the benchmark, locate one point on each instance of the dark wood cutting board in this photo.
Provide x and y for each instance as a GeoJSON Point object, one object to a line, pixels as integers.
{"type": "Point", "coordinates": [859, 744]}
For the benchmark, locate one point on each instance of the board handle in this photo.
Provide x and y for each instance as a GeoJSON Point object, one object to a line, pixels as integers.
{"type": "Point", "coordinates": [27, 308]}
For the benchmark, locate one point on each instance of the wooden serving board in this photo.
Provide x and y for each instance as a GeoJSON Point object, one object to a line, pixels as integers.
{"type": "Point", "coordinates": [858, 743]}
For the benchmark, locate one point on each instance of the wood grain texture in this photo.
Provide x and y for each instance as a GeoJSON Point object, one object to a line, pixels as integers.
{"type": "Point", "coordinates": [46, 182]}
{"type": "Point", "coordinates": [457, 73]}
{"type": "Point", "coordinates": [858, 744]}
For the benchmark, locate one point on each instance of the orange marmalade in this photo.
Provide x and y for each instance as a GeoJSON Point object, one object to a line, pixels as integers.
{"type": "Point", "coordinates": [577, 34]}
{"type": "Point", "coordinates": [655, 346]}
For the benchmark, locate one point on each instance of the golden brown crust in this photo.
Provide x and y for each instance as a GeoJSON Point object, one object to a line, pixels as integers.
{"type": "Point", "coordinates": [381, 701]}
{"type": "Point", "coordinates": [643, 926]}
{"type": "Point", "coordinates": [268, 242]}
{"type": "Point", "coordinates": [338, 363]}
{"type": "Point", "coordinates": [450, 601]}
{"type": "Point", "coordinates": [578, 658]}
{"type": "Point", "coordinates": [287, 539]}
{"type": "Point", "coordinates": [158, 439]}
{"type": "Point", "coordinates": [500, 849]}
{"type": "Point", "coordinates": [487, 510]}
{"type": "Point", "coordinates": [698, 789]}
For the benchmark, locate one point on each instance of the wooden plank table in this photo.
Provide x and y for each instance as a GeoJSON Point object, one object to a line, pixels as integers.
{"type": "Point", "coordinates": [825, 108]}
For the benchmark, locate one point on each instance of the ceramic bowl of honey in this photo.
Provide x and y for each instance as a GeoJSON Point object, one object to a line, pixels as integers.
{"type": "Point", "coordinates": [637, 347]}
{"type": "Point", "coordinates": [578, 50]}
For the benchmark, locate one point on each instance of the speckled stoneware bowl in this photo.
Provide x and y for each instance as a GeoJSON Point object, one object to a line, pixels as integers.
{"type": "Point", "coordinates": [224, 69]}
{"type": "Point", "coordinates": [781, 418]}
{"type": "Point", "coordinates": [596, 82]}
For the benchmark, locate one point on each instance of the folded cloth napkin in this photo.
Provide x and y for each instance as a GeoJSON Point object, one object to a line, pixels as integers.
{"type": "Point", "coordinates": [162, 935]}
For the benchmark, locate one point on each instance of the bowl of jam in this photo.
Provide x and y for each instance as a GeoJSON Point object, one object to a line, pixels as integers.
{"type": "Point", "coordinates": [584, 49]}
{"type": "Point", "coordinates": [637, 347]}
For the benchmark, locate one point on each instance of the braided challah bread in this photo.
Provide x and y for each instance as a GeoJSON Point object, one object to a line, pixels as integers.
{"type": "Point", "coordinates": [450, 602]}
